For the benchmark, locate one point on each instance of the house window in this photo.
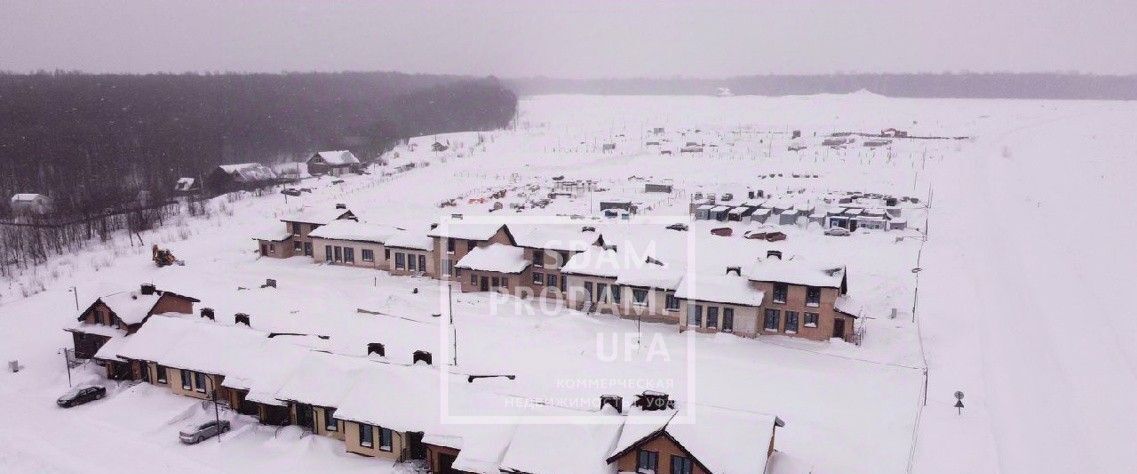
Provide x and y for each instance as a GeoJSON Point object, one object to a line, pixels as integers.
{"type": "Point", "coordinates": [330, 419]}
{"type": "Point", "coordinates": [328, 253]}
{"type": "Point", "coordinates": [694, 315]}
{"type": "Point", "coordinates": [161, 374]}
{"type": "Point", "coordinates": [400, 261]}
{"type": "Point", "coordinates": [199, 382]}
{"type": "Point", "coordinates": [366, 436]}
{"type": "Point", "coordinates": [448, 267]}
{"type": "Point", "coordinates": [297, 246]}
{"type": "Point", "coordinates": [791, 321]}
{"type": "Point", "coordinates": [812, 296]}
{"type": "Point", "coordinates": [639, 296]}
{"type": "Point", "coordinates": [539, 258]}
{"type": "Point", "coordinates": [450, 245]}
{"type": "Point", "coordinates": [728, 319]}
{"type": "Point", "coordinates": [602, 293]}
{"type": "Point", "coordinates": [617, 292]}
{"type": "Point", "coordinates": [551, 279]}
{"type": "Point", "coordinates": [384, 439]}
{"type": "Point", "coordinates": [647, 462]}
{"type": "Point", "coordinates": [811, 320]}
{"type": "Point", "coordinates": [422, 263]}
{"type": "Point", "coordinates": [495, 282]}
{"type": "Point", "coordinates": [338, 253]}
{"type": "Point", "coordinates": [349, 254]}
{"type": "Point", "coordinates": [780, 291]}
{"type": "Point", "coordinates": [272, 249]}
{"type": "Point", "coordinates": [538, 278]}
{"type": "Point", "coordinates": [712, 317]}
{"type": "Point", "coordinates": [588, 289]}
{"type": "Point", "coordinates": [187, 382]}
{"type": "Point", "coordinates": [473, 278]}
{"type": "Point", "coordinates": [386, 254]}
{"type": "Point", "coordinates": [564, 282]}
{"type": "Point", "coordinates": [411, 262]}
{"type": "Point", "coordinates": [471, 245]}
{"type": "Point", "coordinates": [672, 302]}
{"type": "Point", "coordinates": [295, 228]}
{"type": "Point", "coordinates": [772, 317]}
{"type": "Point", "coordinates": [368, 255]}
{"type": "Point", "coordinates": [681, 465]}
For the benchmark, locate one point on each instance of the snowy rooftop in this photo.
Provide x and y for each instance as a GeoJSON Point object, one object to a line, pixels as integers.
{"type": "Point", "coordinates": [339, 157]}
{"type": "Point", "coordinates": [730, 289]}
{"type": "Point", "coordinates": [722, 440]}
{"type": "Point", "coordinates": [131, 306]}
{"type": "Point", "coordinates": [566, 237]}
{"type": "Point", "coordinates": [797, 271]}
{"type": "Point", "coordinates": [159, 335]}
{"type": "Point", "coordinates": [495, 258]}
{"type": "Point", "coordinates": [579, 448]}
{"type": "Point", "coordinates": [410, 239]}
{"type": "Point", "coordinates": [249, 172]}
{"type": "Point", "coordinates": [321, 379]}
{"type": "Point", "coordinates": [346, 229]}
{"type": "Point", "coordinates": [321, 216]}
{"type": "Point", "coordinates": [462, 230]}
{"type": "Point", "coordinates": [413, 406]}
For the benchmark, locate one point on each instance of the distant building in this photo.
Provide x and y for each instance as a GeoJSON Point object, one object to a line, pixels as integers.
{"type": "Point", "coordinates": [226, 178]}
{"type": "Point", "coordinates": [30, 204]}
{"type": "Point", "coordinates": [332, 163]}
{"type": "Point", "coordinates": [437, 146]}
{"type": "Point", "coordinates": [186, 186]}
{"type": "Point", "coordinates": [892, 132]}
{"type": "Point", "coordinates": [657, 188]}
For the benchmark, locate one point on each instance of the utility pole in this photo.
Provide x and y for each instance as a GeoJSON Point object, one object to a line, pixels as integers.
{"type": "Point", "coordinates": [216, 414]}
{"type": "Point", "coordinates": [75, 292]}
{"type": "Point", "coordinates": [453, 328]}
{"type": "Point", "coordinates": [67, 363]}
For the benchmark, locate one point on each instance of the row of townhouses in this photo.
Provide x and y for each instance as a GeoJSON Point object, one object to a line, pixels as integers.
{"type": "Point", "coordinates": [575, 264]}
{"type": "Point", "coordinates": [381, 407]}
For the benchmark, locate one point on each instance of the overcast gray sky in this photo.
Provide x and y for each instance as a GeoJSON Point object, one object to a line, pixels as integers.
{"type": "Point", "coordinates": [572, 39]}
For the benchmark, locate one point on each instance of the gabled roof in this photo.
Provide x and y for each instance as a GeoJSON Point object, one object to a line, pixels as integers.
{"type": "Point", "coordinates": [730, 289]}
{"type": "Point", "coordinates": [394, 397]}
{"type": "Point", "coordinates": [132, 307]}
{"type": "Point", "coordinates": [560, 237]}
{"type": "Point", "coordinates": [717, 439]}
{"type": "Point", "coordinates": [249, 172]}
{"type": "Point", "coordinates": [595, 261]}
{"type": "Point", "coordinates": [495, 258]}
{"type": "Point", "coordinates": [319, 216]}
{"type": "Point", "coordinates": [798, 271]}
{"type": "Point", "coordinates": [321, 379]}
{"type": "Point", "coordinates": [579, 448]}
{"type": "Point", "coordinates": [470, 231]}
{"type": "Point", "coordinates": [160, 335]}
{"type": "Point", "coordinates": [337, 158]}
{"type": "Point", "coordinates": [410, 239]}
{"type": "Point", "coordinates": [347, 229]}
{"type": "Point", "coordinates": [26, 197]}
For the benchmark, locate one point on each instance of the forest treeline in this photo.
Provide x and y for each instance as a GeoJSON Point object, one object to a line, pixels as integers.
{"type": "Point", "coordinates": [947, 85]}
{"type": "Point", "coordinates": [94, 141]}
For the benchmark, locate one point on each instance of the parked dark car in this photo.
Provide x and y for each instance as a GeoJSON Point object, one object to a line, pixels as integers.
{"type": "Point", "coordinates": [194, 434]}
{"type": "Point", "coordinates": [80, 395]}
{"type": "Point", "coordinates": [290, 192]}
{"type": "Point", "coordinates": [679, 227]}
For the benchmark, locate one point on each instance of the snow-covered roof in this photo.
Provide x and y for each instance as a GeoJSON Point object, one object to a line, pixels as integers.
{"type": "Point", "coordinates": [495, 258]}
{"type": "Point", "coordinates": [319, 216]}
{"type": "Point", "coordinates": [730, 289]}
{"type": "Point", "coordinates": [579, 448]}
{"type": "Point", "coordinates": [26, 197]}
{"type": "Point", "coordinates": [159, 335]}
{"type": "Point", "coordinates": [339, 157]}
{"type": "Point", "coordinates": [111, 348]}
{"type": "Point", "coordinates": [410, 239]}
{"type": "Point", "coordinates": [848, 305]}
{"type": "Point", "coordinates": [249, 172]}
{"type": "Point", "coordinates": [469, 231]}
{"type": "Point", "coordinates": [214, 349]}
{"type": "Point", "coordinates": [723, 440]}
{"type": "Point", "coordinates": [321, 379]}
{"type": "Point", "coordinates": [481, 446]}
{"type": "Point", "coordinates": [346, 229]}
{"type": "Point", "coordinates": [394, 397]}
{"type": "Point", "coordinates": [264, 368]}
{"type": "Point", "coordinates": [595, 261]}
{"type": "Point", "coordinates": [131, 307]}
{"type": "Point", "coordinates": [184, 184]}
{"type": "Point", "coordinates": [651, 276]}
{"type": "Point", "coordinates": [561, 237]}
{"type": "Point", "coordinates": [797, 271]}
{"type": "Point", "coordinates": [271, 234]}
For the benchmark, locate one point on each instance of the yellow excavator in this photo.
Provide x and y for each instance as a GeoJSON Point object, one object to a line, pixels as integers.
{"type": "Point", "coordinates": [163, 257]}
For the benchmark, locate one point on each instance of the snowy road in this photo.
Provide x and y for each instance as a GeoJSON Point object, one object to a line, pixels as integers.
{"type": "Point", "coordinates": [1025, 301]}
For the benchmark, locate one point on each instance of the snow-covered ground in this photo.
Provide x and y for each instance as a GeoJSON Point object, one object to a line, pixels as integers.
{"type": "Point", "coordinates": [1020, 294]}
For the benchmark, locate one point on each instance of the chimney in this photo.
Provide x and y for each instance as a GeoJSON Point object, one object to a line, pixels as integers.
{"type": "Point", "coordinates": [588, 228]}
{"type": "Point", "coordinates": [376, 348]}
{"type": "Point", "coordinates": [614, 401]}
{"type": "Point", "coordinates": [340, 205]}
{"type": "Point", "coordinates": [423, 356]}
{"type": "Point", "coordinates": [269, 282]}
{"type": "Point", "coordinates": [774, 254]}
{"type": "Point", "coordinates": [148, 288]}
{"type": "Point", "coordinates": [651, 400]}
{"type": "Point", "coordinates": [207, 313]}
{"type": "Point", "coordinates": [734, 270]}
{"type": "Point", "coordinates": [241, 318]}
{"type": "Point", "coordinates": [456, 217]}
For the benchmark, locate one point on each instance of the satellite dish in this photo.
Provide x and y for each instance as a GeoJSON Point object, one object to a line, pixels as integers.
{"type": "Point", "coordinates": [958, 395]}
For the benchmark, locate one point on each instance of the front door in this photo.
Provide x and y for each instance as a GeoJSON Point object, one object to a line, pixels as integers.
{"type": "Point", "coordinates": [485, 284]}
{"type": "Point", "coordinates": [304, 415]}
{"type": "Point", "coordinates": [308, 249]}
{"type": "Point", "coordinates": [839, 328]}
{"type": "Point", "coordinates": [446, 463]}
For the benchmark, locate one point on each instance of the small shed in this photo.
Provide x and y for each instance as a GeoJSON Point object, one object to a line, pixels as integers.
{"type": "Point", "coordinates": [657, 188]}
{"type": "Point", "coordinates": [31, 204]}
{"type": "Point", "coordinates": [703, 212]}
{"type": "Point", "coordinates": [719, 213]}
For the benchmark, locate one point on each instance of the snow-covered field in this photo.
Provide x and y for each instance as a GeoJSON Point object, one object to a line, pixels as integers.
{"type": "Point", "coordinates": [1021, 294]}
